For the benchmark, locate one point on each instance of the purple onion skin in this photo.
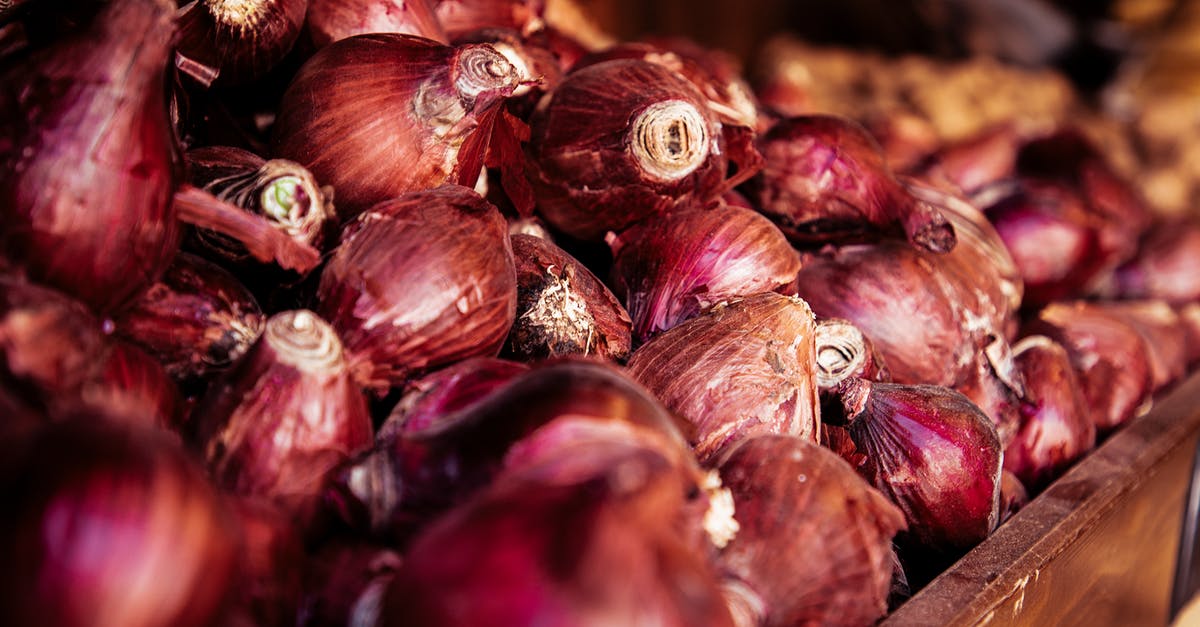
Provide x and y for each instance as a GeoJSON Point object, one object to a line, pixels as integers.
{"type": "Point", "coordinates": [562, 308]}
{"type": "Point", "coordinates": [420, 282]}
{"type": "Point", "coordinates": [344, 584]}
{"type": "Point", "coordinates": [744, 369]}
{"type": "Point", "coordinates": [671, 268]}
{"type": "Point", "coordinates": [239, 43]}
{"type": "Point", "coordinates": [120, 528]}
{"type": "Point", "coordinates": [1166, 267]}
{"type": "Point", "coordinates": [815, 540]}
{"type": "Point", "coordinates": [438, 394]}
{"type": "Point", "coordinates": [936, 456]}
{"type": "Point", "coordinates": [328, 21]}
{"type": "Point", "coordinates": [589, 159]}
{"type": "Point", "coordinates": [1055, 426]}
{"type": "Point", "coordinates": [824, 180]}
{"type": "Point", "coordinates": [86, 157]}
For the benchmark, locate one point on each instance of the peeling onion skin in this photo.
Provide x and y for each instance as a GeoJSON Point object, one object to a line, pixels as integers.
{"type": "Point", "coordinates": [419, 282]}
{"type": "Point", "coordinates": [671, 268]}
{"type": "Point", "coordinates": [1108, 354]}
{"type": "Point", "coordinates": [562, 308]}
{"type": "Point", "coordinates": [285, 416]}
{"type": "Point", "coordinates": [814, 541]}
{"type": "Point", "coordinates": [824, 180]}
{"type": "Point", "coordinates": [120, 528]}
{"type": "Point", "coordinates": [842, 352]}
{"type": "Point", "coordinates": [379, 115]}
{"type": "Point", "coordinates": [237, 41]}
{"type": "Point", "coordinates": [618, 142]}
{"type": "Point", "coordinates": [328, 21]}
{"type": "Point", "coordinates": [197, 319]}
{"type": "Point", "coordinates": [442, 393]}
{"type": "Point", "coordinates": [1056, 429]}
{"type": "Point", "coordinates": [87, 167]}
{"type": "Point", "coordinates": [740, 370]}
{"type": "Point", "coordinates": [935, 455]}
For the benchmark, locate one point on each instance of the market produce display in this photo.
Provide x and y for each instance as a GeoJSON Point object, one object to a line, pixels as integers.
{"type": "Point", "coordinates": [459, 312]}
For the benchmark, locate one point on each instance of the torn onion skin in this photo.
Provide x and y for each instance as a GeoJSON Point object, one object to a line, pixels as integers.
{"type": "Point", "coordinates": [232, 43]}
{"type": "Point", "coordinates": [562, 308]}
{"type": "Point", "coordinates": [671, 268]}
{"type": "Point", "coordinates": [742, 369]}
{"type": "Point", "coordinates": [442, 393]}
{"type": "Point", "coordinates": [328, 21]}
{"type": "Point", "coordinates": [784, 489]}
{"type": "Point", "coordinates": [419, 282]}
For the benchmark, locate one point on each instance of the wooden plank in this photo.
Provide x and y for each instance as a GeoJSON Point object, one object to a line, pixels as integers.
{"type": "Point", "coordinates": [1097, 547]}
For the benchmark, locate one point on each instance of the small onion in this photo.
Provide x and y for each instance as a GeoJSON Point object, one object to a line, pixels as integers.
{"type": "Point", "coordinates": [132, 385]}
{"type": "Point", "coordinates": [1167, 266]}
{"type": "Point", "coordinates": [742, 369]}
{"type": "Point", "coordinates": [671, 268]}
{"type": "Point", "coordinates": [328, 21]}
{"type": "Point", "coordinates": [232, 42]}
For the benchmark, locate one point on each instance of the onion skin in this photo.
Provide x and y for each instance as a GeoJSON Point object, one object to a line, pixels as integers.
{"type": "Point", "coordinates": [460, 17]}
{"type": "Point", "coordinates": [1013, 495]}
{"type": "Point", "coordinates": [231, 43]}
{"type": "Point", "coordinates": [562, 308]}
{"type": "Point", "coordinates": [1164, 334]}
{"type": "Point", "coordinates": [345, 583]}
{"type": "Point", "coordinates": [436, 101]}
{"type": "Point", "coordinates": [1108, 354]}
{"type": "Point", "coordinates": [935, 455]}
{"type": "Point", "coordinates": [602, 155]}
{"type": "Point", "coordinates": [272, 553]}
{"type": "Point", "coordinates": [786, 489]}
{"type": "Point", "coordinates": [842, 353]}
{"type": "Point", "coordinates": [132, 385]}
{"type": "Point", "coordinates": [1189, 318]}
{"type": "Point", "coordinates": [743, 369]}
{"type": "Point", "coordinates": [420, 282]}
{"type": "Point", "coordinates": [197, 319]}
{"type": "Point", "coordinates": [974, 163]}
{"type": "Point", "coordinates": [1056, 429]}
{"type": "Point", "coordinates": [86, 162]}
{"type": "Point", "coordinates": [120, 528]}
{"type": "Point", "coordinates": [328, 21]}
{"type": "Point", "coordinates": [1167, 267]}
{"type": "Point", "coordinates": [671, 268]}
{"type": "Point", "coordinates": [824, 180]}
{"type": "Point", "coordinates": [449, 390]}
{"type": "Point", "coordinates": [276, 424]}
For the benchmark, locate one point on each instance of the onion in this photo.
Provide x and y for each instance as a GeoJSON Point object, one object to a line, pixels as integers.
{"type": "Point", "coordinates": [1164, 334]}
{"type": "Point", "coordinates": [1167, 266]}
{"type": "Point", "coordinates": [1013, 495]}
{"type": "Point", "coordinates": [972, 164]}
{"type": "Point", "coordinates": [562, 308]}
{"type": "Point", "coordinates": [288, 414]}
{"type": "Point", "coordinates": [1189, 318]}
{"type": "Point", "coordinates": [236, 41]}
{"type": "Point", "coordinates": [620, 141]}
{"type": "Point", "coordinates": [345, 583]}
{"type": "Point", "coordinates": [1055, 426]}
{"type": "Point", "coordinates": [843, 352]}
{"type": "Point", "coordinates": [196, 320]}
{"type": "Point", "coordinates": [814, 542]}
{"type": "Point", "coordinates": [119, 528]}
{"type": "Point", "coordinates": [460, 17]}
{"type": "Point", "coordinates": [671, 268]}
{"type": "Point", "coordinates": [328, 21]}
{"type": "Point", "coordinates": [442, 393]}
{"type": "Point", "coordinates": [379, 115]}
{"type": "Point", "coordinates": [269, 584]}
{"type": "Point", "coordinates": [824, 180]}
{"type": "Point", "coordinates": [420, 282]}
{"type": "Point", "coordinates": [742, 369]}
{"type": "Point", "coordinates": [131, 385]}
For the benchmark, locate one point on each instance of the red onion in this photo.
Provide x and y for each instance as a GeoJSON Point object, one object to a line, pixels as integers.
{"type": "Point", "coordinates": [196, 320]}
{"type": "Point", "coordinates": [671, 268]}
{"type": "Point", "coordinates": [562, 308]}
{"type": "Point", "coordinates": [269, 585]}
{"type": "Point", "coordinates": [420, 282]}
{"type": "Point", "coordinates": [379, 115]}
{"type": "Point", "coordinates": [1108, 354]}
{"type": "Point", "coordinates": [814, 542]}
{"type": "Point", "coordinates": [1167, 266]}
{"type": "Point", "coordinates": [119, 528]}
{"type": "Point", "coordinates": [1164, 334]}
{"type": "Point", "coordinates": [1013, 495]}
{"type": "Point", "coordinates": [86, 163]}
{"type": "Point", "coordinates": [843, 352]}
{"type": "Point", "coordinates": [972, 164]}
{"type": "Point", "coordinates": [132, 385]}
{"type": "Point", "coordinates": [824, 179]}
{"type": "Point", "coordinates": [236, 42]}
{"type": "Point", "coordinates": [935, 455]}
{"type": "Point", "coordinates": [1189, 318]}
{"type": "Point", "coordinates": [460, 17]}
{"type": "Point", "coordinates": [285, 416]}
{"type": "Point", "coordinates": [443, 392]}
{"type": "Point", "coordinates": [328, 21]}
{"type": "Point", "coordinates": [620, 141]}
{"type": "Point", "coordinates": [1055, 426]}
{"type": "Point", "coordinates": [345, 583]}
{"type": "Point", "coordinates": [742, 369]}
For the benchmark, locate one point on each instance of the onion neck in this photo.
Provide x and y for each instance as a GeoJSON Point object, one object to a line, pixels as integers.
{"type": "Point", "coordinates": [669, 139]}
{"type": "Point", "coordinates": [481, 68]}
{"type": "Point", "coordinates": [303, 340]}
{"type": "Point", "coordinates": [239, 15]}
{"type": "Point", "coordinates": [841, 352]}
{"type": "Point", "coordinates": [854, 394]}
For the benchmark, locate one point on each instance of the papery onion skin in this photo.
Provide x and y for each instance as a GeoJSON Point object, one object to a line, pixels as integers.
{"type": "Point", "coordinates": [935, 455]}
{"type": "Point", "coordinates": [237, 41]}
{"type": "Point", "coordinates": [842, 352]}
{"type": "Point", "coordinates": [1055, 426]}
{"type": "Point", "coordinates": [120, 528]}
{"type": "Point", "coordinates": [197, 319]}
{"type": "Point", "coordinates": [276, 424]}
{"type": "Point", "coordinates": [742, 369]}
{"type": "Point", "coordinates": [671, 268]}
{"type": "Point", "coordinates": [1108, 354]}
{"type": "Point", "coordinates": [420, 282]}
{"type": "Point", "coordinates": [562, 308]}
{"type": "Point", "coordinates": [786, 489]}
{"type": "Point", "coordinates": [86, 162]}
{"type": "Point", "coordinates": [460, 17]}
{"type": "Point", "coordinates": [379, 115]}
{"type": "Point", "coordinates": [1164, 334]}
{"type": "Point", "coordinates": [618, 142]}
{"type": "Point", "coordinates": [824, 180]}
{"type": "Point", "coordinates": [446, 391]}
{"type": "Point", "coordinates": [328, 21]}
